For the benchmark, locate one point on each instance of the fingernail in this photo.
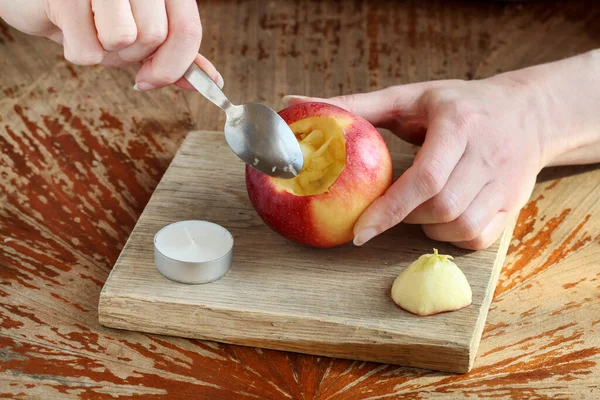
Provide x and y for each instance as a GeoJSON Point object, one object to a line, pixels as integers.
{"type": "Point", "coordinates": [220, 80]}
{"type": "Point", "coordinates": [364, 236]}
{"type": "Point", "coordinates": [142, 86]}
{"type": "Point", "coordinates": [287, 100]}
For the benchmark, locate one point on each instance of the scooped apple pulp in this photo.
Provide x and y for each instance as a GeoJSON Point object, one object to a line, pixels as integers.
{"type": "Point", "coordinates": [324, 150]}
{"type": "Point", "coordinates": [347, 165]}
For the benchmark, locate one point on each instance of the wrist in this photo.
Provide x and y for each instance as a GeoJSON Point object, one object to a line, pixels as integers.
{"type": "Point", "coordinates": [563, 100]}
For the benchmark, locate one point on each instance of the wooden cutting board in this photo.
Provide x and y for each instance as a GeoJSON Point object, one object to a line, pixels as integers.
{"type": "Point", "coordinates": [282, 295]}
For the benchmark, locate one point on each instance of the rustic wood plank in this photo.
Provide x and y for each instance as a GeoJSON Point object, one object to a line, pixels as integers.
{"type": "Point", "coordinates": [285, 296]}
{"type": "Point", "coordinates": [60, 233]}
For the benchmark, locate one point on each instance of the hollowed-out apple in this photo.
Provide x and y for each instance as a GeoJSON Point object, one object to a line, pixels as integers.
{"type": "Point", "coordinates": [347, 165]}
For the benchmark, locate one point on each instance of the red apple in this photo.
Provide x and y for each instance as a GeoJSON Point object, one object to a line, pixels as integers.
{"type": "Point", "coordinates": [347, 165]}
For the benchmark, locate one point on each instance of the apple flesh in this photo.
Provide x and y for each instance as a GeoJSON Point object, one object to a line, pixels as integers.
{"type": "Point", "coordinates": [347, 165]}
{"type": "Point", "coordinates": [432, 284]}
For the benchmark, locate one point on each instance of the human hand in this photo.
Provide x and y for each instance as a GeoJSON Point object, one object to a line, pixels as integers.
{"type": "Point", "coordinates": [482, 147]}
{"type": "Point", "coordinates": [162, 35]}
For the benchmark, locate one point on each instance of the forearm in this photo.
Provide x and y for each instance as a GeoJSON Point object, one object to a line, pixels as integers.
{"type": "Point", "coordinates": [567, 106]}
{"type": "Point", "coordinates": [589, 154]}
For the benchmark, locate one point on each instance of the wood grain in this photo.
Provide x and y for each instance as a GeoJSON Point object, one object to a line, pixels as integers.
{"type": "Point", "coordinates": [71, 192]}
{"type": "Point", "coordinates": [284, 296]}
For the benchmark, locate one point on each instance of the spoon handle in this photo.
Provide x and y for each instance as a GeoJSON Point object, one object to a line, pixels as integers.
{"type": "Point", "coordinates": [206, 86]}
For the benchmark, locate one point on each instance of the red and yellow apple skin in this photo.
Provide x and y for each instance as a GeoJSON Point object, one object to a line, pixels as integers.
{"type": "Point", "coordinates": [326, 219]}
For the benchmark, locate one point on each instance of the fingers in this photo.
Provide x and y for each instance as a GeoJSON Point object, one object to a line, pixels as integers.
{"type": "Point", "coordinates": [80, 41]}
{"type": "Point", "coordinates": [152, 29]}
{"type": "Point", "coordinates": [465, 182]}
{"type": "Point", "coordinates": [470, 224]}
{"type": "Point", "coordinates": [441, 151]}
{"type": "Point", "coordinates": [113, 60]}
{"type": "Point", "coordinates": [114, 23]}
{"type": "Point", "coordinates": [176, 54]}
{"type": "Point", "coordinates": [489, 235]}
{"type": "Point", "coordinates": [124, 32]}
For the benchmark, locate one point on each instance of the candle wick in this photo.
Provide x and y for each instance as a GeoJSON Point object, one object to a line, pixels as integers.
{"type": "Point", "coordinates": [189, 236]}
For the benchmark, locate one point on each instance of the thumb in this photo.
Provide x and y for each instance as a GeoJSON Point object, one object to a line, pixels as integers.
{"type": "Point", "coordinates": [397, 108]}
{"type": "Point", "coordinates": [376, 107]}
{"type": "Point", "coordinates": [208, 68]}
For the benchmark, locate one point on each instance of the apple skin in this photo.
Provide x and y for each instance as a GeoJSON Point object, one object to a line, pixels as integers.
{"type": "Point", "coordinates": [327, 219]}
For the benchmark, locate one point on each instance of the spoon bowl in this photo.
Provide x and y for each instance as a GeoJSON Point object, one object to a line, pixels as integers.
{"type": "Point", "coordinates": [260, 137]}
{"type": "Point", "coordinates": [253, 131]}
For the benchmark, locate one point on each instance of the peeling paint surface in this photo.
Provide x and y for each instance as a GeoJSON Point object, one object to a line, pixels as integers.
{"type": "Point", "coordinates": [81, 153]}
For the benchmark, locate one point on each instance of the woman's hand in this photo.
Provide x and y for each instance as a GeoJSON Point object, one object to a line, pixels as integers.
{"type": "Point", "coordinates": [162, 35]}
{"type": "Point", "coordinates": [483, 144]}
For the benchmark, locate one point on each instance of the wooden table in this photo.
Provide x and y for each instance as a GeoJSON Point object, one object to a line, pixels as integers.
{"type": "Point", "coordinates": [80, 154]}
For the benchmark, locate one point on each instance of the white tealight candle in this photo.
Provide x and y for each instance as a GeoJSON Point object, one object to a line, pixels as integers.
{"type": "Point", "coordinates": [193, 251]}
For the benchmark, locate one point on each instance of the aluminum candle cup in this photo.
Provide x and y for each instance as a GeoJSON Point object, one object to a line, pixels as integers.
{"type": "Point", "coordinates": [193, 251]}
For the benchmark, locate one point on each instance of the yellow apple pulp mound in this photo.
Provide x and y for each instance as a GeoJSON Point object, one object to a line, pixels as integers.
{"type": "Point", "coordinates": [432, 284]}
{"type": "Point", "coordinates": [324, 149]}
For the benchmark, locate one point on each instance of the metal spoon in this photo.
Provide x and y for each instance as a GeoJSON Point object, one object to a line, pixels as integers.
{"type": "Point", "coordinates": [255, 133]}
